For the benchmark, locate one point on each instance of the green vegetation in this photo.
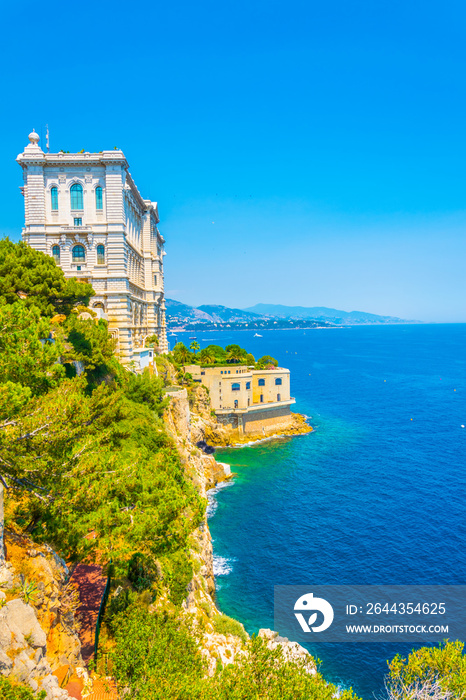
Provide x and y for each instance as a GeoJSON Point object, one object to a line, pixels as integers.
{"type": "Point", "coordinates": [437, 672]}
{"type": "Point", "coordinates": [34, 278]}
{"type": "Point", "coordinates": [17, 691]}
{"type": "Point", "coordinates": [151, 341]}
{"type": "Point", "coordinates": [157, 657]}
{"type": "Point", "coordinates": [215, 355]}
{"type": "Point", "coordinates": [227, 625]}
{"type": "Point", "coordinates": [86, 453]}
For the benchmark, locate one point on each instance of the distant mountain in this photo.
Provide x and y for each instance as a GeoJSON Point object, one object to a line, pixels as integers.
{"type": "Point", "coordinates": [267, 316]}
{"type": "Point", "coordinates": [320, 312]}
{"type": "Point", "coordinates": [213, 313]}
{"type": "Point", "coordinates": [183, 312]}
{"type": "Point", "coordinates": [223, 314]}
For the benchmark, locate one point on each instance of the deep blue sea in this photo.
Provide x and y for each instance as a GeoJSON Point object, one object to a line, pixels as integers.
{"type": "Point", "coordinates": [375, 495]}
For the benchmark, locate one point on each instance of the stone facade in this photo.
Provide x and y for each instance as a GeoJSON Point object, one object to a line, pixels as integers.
{"type": "Point", "coordinates": [246, 399]}
{"type": "Point", "coordinates": [84, 210]}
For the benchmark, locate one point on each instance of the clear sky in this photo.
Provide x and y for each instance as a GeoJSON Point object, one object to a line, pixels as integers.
{"type": "Point", "coordinates": [308, 153]}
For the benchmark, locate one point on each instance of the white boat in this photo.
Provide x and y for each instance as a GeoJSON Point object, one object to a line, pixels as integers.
{"type": "Point", "coordinates": [257, 335]}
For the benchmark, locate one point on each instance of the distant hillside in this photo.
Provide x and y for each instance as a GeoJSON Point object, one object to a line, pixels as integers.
{"type": "Point", "coordinates": [222, 314]}
{"type": "Point", "coordinates": [266, 316]}
{"type": "Point", "coordinates": [213, 313]}
{"type": "Point", "coordinates": [318, 312]}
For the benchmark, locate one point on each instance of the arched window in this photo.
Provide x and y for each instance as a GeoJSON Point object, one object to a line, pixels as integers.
{"type": "Point", "coordinates": [278, 380]}
{"type": "Point", "coordinates": [99, 202]}
{"type": "Point", "coordinates": [100, 255]}
{"type": "Point", "coordinates": [235, 387]}
{"type": "Point", "coordinates": [79, 254]}
{"type": "Point", "coordinates": [56, 253]}
{"type": "Point", "coordinates": [76, 196]}
{"type": "Point", "coordinates": [261, 382]}
{"type": "Point", "coordinates": [248, 385]}
{"type": "Point", "coordinates": [54, 198]}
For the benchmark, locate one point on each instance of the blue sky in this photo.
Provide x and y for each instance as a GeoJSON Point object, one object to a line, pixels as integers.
{"type": "Point", "coordinates": [301, 152]}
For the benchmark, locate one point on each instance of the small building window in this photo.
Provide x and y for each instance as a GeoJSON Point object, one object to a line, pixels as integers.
{"type": "Point", "coordinates": [235, 386]}
{"type": "Point", "coordinates": [248, 385]}
{"type": "Point", "coordinates": [262, 398]}
{"type": "Point", "coordinates": [249, 402]}
{"type": "Point", "coordinates": [99, 202]}
{"type": "Point", "coordinates": [54, 198]}
{"type": "Point", "coordinates": [155, 280]}
{"type": "Point", "coordinates": [278, 380]}
{"type": "Point", "coordinates": [279, 398]}
{"type": "Point", "coordinates": [261, 382]}
{"type": "Point", "coordinates": [78, 222]}
{"type": "Point", "coordinates": [56, 253]}
{"type": "Point", "coordinates": [76, 196]}
{"type": "Point", "coordinates": [79, 254]}
{"type": "Point", "coordinates": [100, 255]}
{"type": "Point", "coordinates": [236, 404]}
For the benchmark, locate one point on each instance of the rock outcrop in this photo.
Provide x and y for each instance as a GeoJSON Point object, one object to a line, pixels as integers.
{"type": "Point", "coordinates": [38, 632]}
{"type": "Point", "coordinates": [292, 651]}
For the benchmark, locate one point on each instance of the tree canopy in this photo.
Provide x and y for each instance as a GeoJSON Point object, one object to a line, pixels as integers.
{"type": "Point", "coordinates": [34, 277]}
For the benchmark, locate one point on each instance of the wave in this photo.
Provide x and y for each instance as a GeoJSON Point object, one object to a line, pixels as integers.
{"type": "Point", "coordinates": [222, 565]}
{"type": "Point", "coordinates": [211, 497]}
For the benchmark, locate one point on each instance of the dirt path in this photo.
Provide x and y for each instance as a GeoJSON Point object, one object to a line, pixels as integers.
{"type": "Point", "coordinates": [90, 584]}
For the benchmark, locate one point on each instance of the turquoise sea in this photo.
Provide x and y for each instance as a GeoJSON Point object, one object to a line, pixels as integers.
{"type": "Point", "coordinates": [375, 495]}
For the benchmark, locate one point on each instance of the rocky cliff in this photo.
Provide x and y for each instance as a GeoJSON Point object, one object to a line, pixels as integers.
{"type": "Point", "coordinates": [38, 630]}
{"type": "Point", "coordinates": [189, 421]}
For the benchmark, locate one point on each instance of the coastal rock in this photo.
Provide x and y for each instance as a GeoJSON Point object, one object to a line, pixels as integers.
{"type": "Point", "coordinates": [189, 420]}
{"type": "Point", "coordinates": [6, 576]}
{"type": "Point", "coordinates": [292, 651]}
{"type": "Point", "coordinates": [18, 622]}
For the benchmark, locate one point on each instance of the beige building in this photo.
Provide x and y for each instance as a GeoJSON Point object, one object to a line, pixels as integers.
{"type": "Point", "coordinates": [85, 211]}
{"type": "Point", "coordinates": [248, 400]}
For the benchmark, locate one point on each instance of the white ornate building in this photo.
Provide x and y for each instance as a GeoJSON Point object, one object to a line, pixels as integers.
{"type": "Point", "coordinates": [85, 211]}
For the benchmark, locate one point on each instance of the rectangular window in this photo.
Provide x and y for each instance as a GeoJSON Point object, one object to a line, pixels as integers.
{"type": "Point", "coordinates": [155, 280]}
{"type": "Point", "coordinates": [98, 198]}
{"type": "Point", "coordinates": [54, 198]}
{"type": "Point", "coordinates": [78, 221]}
{"type": "Point", "coordinates": [262, 398]}
{"type": "Point", "coordinates": [248, 385]}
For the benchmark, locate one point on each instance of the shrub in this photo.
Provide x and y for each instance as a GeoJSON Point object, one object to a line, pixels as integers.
{"type": "Point", "coordinates": [440, 670]}
{"type": "Point", "coordinates": [227, 625]}
{"type": "Point", "coordinates": [17, 691]}
{"type": "Point", "coordinates": [143, 571]}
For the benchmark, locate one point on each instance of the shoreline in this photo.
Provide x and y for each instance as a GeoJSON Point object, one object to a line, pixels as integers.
{"type": "Point", "coordinates": [231, 438]}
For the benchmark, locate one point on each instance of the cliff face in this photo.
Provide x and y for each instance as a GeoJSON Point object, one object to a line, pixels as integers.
{"type": "Point", "coordinates": [188, 421]}
{"type": "Point", "coordinates": [38, 631]}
